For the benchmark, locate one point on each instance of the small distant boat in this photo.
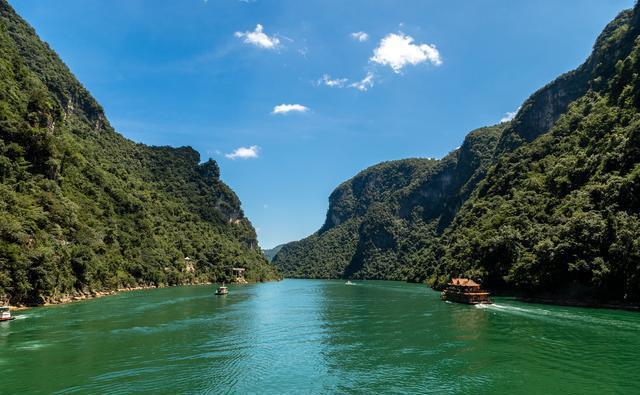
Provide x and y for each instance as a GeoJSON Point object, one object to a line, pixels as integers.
{"type": "Point", "coordinates": [349, 283]}
{"type": "Point", "coordinates": [464, 290]}
{"type": "Point", "coordinates": [222, 290]}
{"type": "Point", "coordinates": [5, 314]}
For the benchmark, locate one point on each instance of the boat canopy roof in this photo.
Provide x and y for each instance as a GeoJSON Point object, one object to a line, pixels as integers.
{"type": "Point", "coordinates": [4, 308]}
{"type": "Point", "coordinates": [464, 282]}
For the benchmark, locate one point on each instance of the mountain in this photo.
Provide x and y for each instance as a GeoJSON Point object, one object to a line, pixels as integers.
{"type": "Point", "coordinates": [547, 204]}
{"type": "Point", "coordinates": [380, 221]}
{"type": "Point", "coordinates": [270, 253]}
{"type": "Point", "coordinates": [83, 209]}
{"type": "Point", "coordinates": [559, 211]}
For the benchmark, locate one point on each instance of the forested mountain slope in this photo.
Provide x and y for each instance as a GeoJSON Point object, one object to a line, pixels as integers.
{"type": "Point", "coordinates": [380, 222]}
{"type": "Point", "coordinates": [83, 209]}
{"type": "Point", "coordinates": [271, 252]}
{"type": "Point", "coordinates": [551, 207]}
{"type": "Point", "coordinates": [561, 214]}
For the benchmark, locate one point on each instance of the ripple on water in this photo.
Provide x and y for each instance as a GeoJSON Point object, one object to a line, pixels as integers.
{"type": "Point", "coordinates": [165, 303]}
{"type": "Point", "coordinates": [32, 345]}
{"type": "Point", "coordinates": [319, 337]}
{"type": "Point", "coordinates": [175, 325]}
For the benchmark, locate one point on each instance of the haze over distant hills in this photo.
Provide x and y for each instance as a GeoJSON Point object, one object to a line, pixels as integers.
{"type": "Point", "coordinates": [271, 252]}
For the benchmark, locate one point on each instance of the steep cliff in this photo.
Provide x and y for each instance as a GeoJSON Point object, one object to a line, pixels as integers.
{"type": "Point", "coordinates": [82, 209]}
{"type": "Point", "coordinates": [560, 215]}
{"type": "Point", "coordinates": [546, 204]}
{"type": "Point", "coordinates": [380, 221]}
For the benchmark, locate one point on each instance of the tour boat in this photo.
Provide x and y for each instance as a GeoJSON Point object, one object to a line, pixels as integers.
{"type": "Point", "coordinates": [464, 290]}
{"type": "Point", "coordinates": [5, 314]}
{"type": "Point", "coordinates": [222, 290]}
{"type": "Point", "coordinates": [349, 283]}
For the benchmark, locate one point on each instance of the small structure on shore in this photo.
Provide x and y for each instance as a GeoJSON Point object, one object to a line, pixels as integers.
{"type": "Point", "coordinates": [464, 290]}
{"type": "Point", "coordinates": [238, 275]}
{"type": "Point", "coordinates": [189, 265]}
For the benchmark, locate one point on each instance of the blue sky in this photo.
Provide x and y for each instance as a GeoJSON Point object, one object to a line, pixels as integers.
{"type": "Point", "coordinates": [321, 89]}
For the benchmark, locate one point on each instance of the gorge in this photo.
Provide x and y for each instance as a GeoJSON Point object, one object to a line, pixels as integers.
{"type": "Point", "coordinates": [544, 204]}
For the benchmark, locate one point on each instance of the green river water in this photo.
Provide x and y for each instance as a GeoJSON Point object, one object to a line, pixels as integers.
{"type": "Point", "coordinates": [313, 336]}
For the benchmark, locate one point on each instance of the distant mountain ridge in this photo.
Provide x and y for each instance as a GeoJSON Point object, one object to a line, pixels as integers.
{"type": "Point", "coordinates": [82, 209]}
{"type": "Point", "coordinates": [546, 204]}
{"type": "Point", "coordinates": [271, 252]}
{"type": "Point", "coordinates": [382, 217]}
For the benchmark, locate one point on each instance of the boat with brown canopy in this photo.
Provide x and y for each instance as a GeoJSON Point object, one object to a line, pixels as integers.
{"type": "Point", "coordinates": [464, 290]}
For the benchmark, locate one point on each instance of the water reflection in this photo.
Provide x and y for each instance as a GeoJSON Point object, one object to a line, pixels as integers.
{"type": "Point", "coordinates": [316, 336]}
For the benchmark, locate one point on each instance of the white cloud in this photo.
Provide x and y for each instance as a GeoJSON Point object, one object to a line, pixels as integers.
{"type": "Point", "coordinates": [364, 84]}
{"type": "Point", "coordinates": [360, 36]}
{"type": "Point", "coordinates": [259, 38]}
{"type": "Point", "coordinates": [398, 51]}
{"type": "Point", "coordinates": [244, 153]}
{"type": "Point", "coordinates": [286, 108]}
{"type": "Point", "coordinates": [509, 115]}
{"type": "Point", "coordinates": [333, 83]}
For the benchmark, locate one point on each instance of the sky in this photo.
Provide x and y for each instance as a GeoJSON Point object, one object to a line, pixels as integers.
{"type": "Point", "coordinates": [293, 97]}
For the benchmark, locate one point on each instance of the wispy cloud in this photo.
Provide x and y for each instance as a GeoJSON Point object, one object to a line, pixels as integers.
{"type": "Point", "coordinates": [287, 108]}
{"type": "Point", "coordinates": [244, 153]}
{"type": "Point", "coordinates": [509, 115]}
{"type": "Point", "coordinates": [304, 51]}
{"type": "Point", "coordinates": [364, 84]}
{"type": "Point", "coordinates": [398, 51]}
{"type": "Point", "coordinates": [332, 82]}
{"type": "Point", "coordinates": [360, 36]}
{"type": "Point", "coordinates": [259, 38]}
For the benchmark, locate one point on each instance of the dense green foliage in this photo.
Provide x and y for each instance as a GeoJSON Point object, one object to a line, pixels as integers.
{"type": "Point", "coordinates": [553, 210]}
{"type": "Point", "coordinates": [381, 221]}
{"type": "Point", "coordinates": [83, 209]}
{"type": "Point", "coordinates": [562, 212]}
{"type": "Point", "coordinates": [271, 252]}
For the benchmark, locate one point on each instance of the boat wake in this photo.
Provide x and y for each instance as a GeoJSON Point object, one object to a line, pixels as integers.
{"type": "Point", "coordinates": [561, 316]}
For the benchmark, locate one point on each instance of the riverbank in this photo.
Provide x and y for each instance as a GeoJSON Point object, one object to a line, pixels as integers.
{"type": "Point", "coordinates": [555, 301]}
{"type": "Point", "coordinates": [86, 295]}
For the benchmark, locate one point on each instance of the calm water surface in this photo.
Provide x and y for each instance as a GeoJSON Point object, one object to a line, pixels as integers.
{"type": "Point", "coordinates": [315, 337]}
